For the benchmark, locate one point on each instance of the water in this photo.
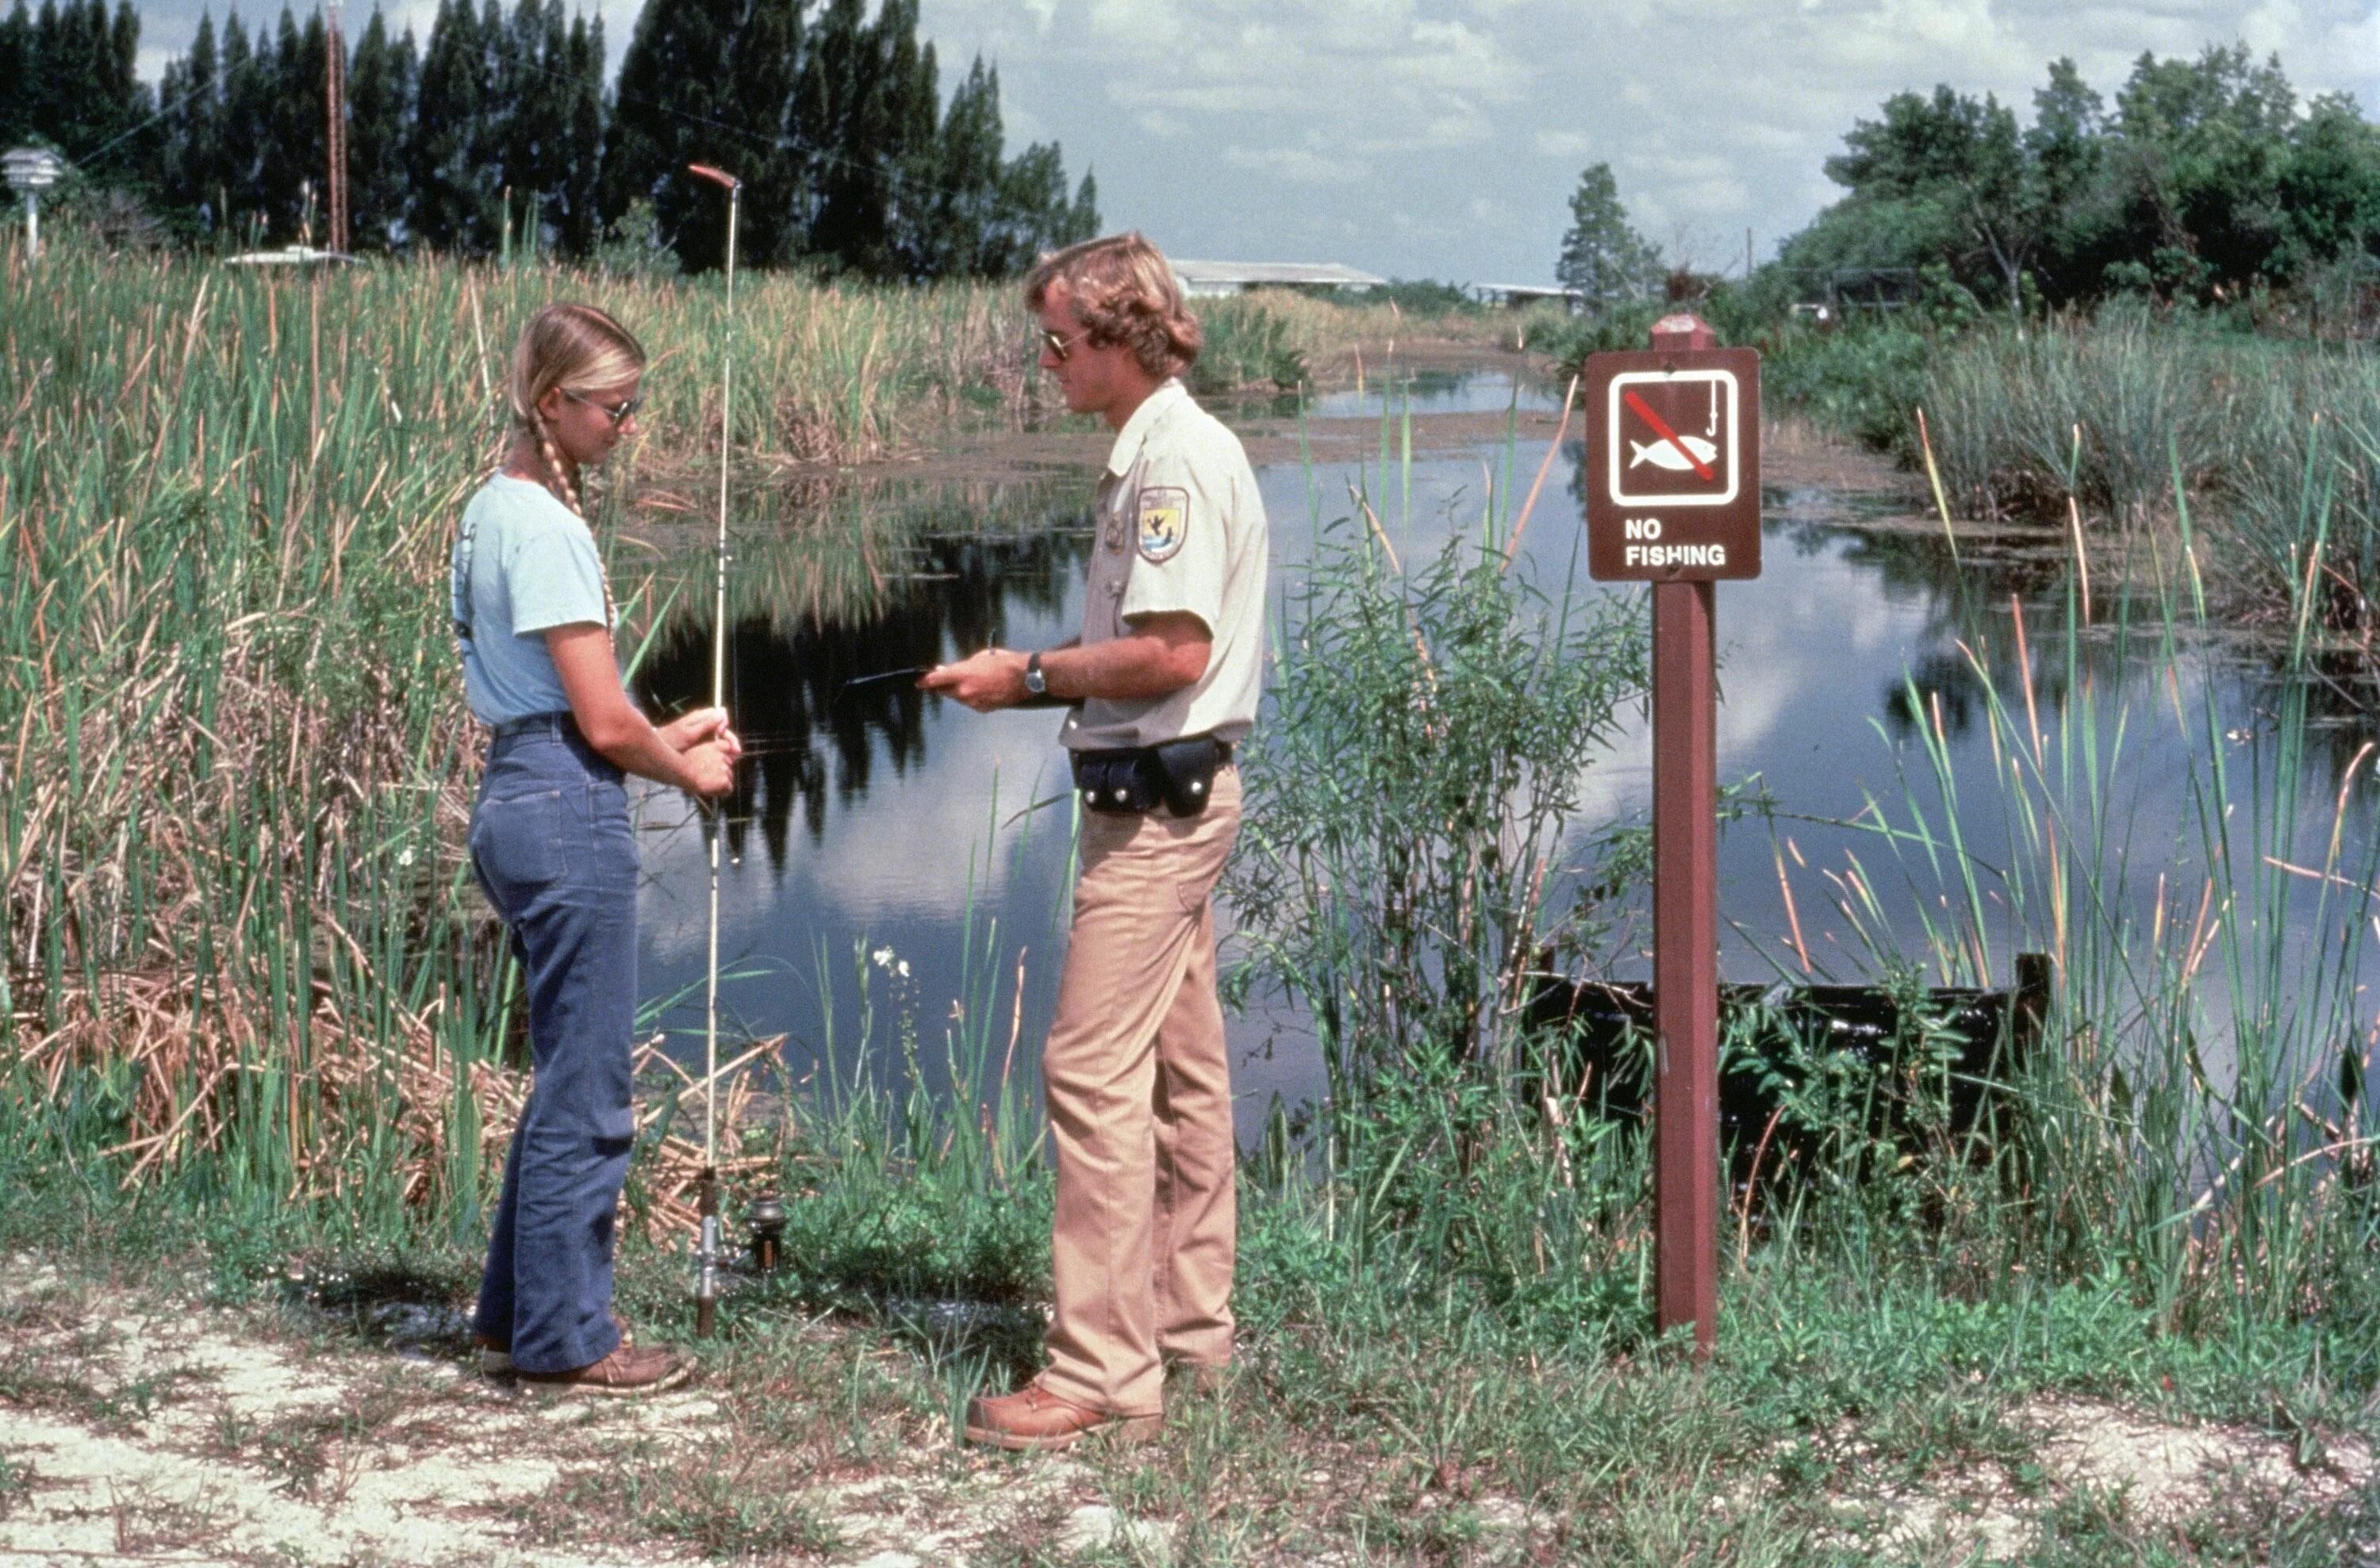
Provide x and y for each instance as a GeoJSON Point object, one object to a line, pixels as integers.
{"type": "Point", "coordinates": [884, 844]}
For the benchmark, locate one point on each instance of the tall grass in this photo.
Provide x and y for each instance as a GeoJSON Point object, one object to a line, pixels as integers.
{"type": "Point", "coordinates": [234, 761]}
{"type": "Point", "coordinates": [2276, 442]}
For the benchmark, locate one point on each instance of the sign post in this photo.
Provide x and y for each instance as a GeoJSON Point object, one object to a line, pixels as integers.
{"type": "Point", "coordinates": [1673, 500]}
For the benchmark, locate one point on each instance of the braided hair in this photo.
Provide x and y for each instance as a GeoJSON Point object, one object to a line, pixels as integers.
{"type": "Point", "coordinates": [572, 348]}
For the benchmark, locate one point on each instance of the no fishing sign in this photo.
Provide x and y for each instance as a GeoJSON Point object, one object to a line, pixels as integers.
{"type": "Point", "coordinates": [1673, 464]}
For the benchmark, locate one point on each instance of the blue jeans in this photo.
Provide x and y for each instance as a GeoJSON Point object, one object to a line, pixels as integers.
{"type": "Point", "coordinates": [552, 845]}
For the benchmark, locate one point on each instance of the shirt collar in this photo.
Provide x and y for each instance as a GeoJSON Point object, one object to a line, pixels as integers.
{"type": "Point", "coordinates": [1135, 430]}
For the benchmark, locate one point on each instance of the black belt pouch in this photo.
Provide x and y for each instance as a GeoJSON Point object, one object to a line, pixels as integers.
{"type": "Point", "coordinates": [1179, 775]}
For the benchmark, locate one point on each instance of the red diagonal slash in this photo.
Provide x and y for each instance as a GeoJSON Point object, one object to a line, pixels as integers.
{"type": "Point", "coordinates": [1644, 412]}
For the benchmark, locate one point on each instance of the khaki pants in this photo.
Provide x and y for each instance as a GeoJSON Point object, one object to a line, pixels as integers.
{"type": "Point", "coordinates": [1139, 1093]}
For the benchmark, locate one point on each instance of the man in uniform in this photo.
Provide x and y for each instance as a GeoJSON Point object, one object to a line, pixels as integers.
{"type": "Point", "coordinates": [1164, 679]}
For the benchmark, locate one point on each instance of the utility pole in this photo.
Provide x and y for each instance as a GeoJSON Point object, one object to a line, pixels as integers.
{"type": "Point", "coordinates": [1747, 253]}
{"type": "Point", "coordinates": [334, 107]}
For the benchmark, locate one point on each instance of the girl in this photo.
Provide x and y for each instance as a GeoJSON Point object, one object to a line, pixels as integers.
{"type": "Point", "coordinates": [552, 846]}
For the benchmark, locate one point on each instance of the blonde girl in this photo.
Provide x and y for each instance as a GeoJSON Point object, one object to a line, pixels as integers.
{"type": "Point", "coordinates": [552, 845]}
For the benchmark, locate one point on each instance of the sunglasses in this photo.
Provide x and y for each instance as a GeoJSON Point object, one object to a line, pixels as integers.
{"type": "Point", "coordinates": [1059, 347]}
{"type": "Point", "coordinates": [619, 412]}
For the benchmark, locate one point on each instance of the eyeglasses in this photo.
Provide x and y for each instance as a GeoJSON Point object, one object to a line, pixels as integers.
{"type": "Point", "coordinates": [1059, 347]}
{"type": "Point", "coordinates": [619, 412]}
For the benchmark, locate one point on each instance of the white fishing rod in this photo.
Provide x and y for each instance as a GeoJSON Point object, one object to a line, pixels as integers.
{"type": "Point", "coordinates": [706, 1280]}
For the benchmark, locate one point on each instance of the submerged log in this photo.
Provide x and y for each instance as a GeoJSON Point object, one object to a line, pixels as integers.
{"type": "Point", "coordinates": [1937, 1068]}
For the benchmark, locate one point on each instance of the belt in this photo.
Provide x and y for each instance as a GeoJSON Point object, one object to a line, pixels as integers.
{"type": "Point", "coordinates": [561, 723]}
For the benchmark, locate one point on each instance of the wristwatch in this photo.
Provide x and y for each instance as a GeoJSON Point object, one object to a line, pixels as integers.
{"type": "Point", "coordinates": [1035, 682]}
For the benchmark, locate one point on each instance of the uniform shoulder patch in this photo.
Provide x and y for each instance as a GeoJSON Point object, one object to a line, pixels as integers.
{"type": "Point", "coordinates": [1164, 522]}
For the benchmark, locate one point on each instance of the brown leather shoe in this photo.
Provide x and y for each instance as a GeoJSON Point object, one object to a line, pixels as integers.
{"type": "Point", "coordinates": [1034, 1418]}
{"type": "Point", "coordinates": [626, 1370]}
{"type": "Point", "coordinates": [496, 1357]}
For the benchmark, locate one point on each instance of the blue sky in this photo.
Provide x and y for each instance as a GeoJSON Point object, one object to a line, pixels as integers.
{"type": "Point", "coordinates": [1442, 137]}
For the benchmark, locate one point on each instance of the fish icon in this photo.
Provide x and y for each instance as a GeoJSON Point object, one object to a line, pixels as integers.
{"type": "Point", "coordinates": [1662, 454]}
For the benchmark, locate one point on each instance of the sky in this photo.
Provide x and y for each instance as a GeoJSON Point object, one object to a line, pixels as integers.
{"type": "Point", "coordinates": [1442, 138]}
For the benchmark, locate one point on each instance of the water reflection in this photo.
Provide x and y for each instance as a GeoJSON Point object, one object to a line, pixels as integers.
{"type": "Point", "coordinates": [1855, 657]}
{"type": "Point", "coordinates": [813, 735]}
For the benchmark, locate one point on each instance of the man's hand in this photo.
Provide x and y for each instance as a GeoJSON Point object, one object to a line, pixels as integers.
{"type": "Point", "coordinates": [992, 679]}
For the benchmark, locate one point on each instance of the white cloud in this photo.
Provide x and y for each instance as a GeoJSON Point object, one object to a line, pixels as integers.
{"type": "Point", "coordinates": [1261, 128]}
{"type": "Point", "coordinates": [1296, 164]}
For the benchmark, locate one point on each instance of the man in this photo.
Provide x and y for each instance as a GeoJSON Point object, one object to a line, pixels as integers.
{"type": "Point", "coordinates": [1164, 678]}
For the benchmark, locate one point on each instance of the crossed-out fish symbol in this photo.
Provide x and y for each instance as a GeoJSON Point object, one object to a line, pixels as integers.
{"type": "Point", "coordinates": [1662, 454]}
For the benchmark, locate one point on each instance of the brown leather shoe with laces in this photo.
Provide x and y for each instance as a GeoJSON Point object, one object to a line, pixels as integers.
{"type": "Point", "coordinates": [628, 1370]}
{"type": "Point", "coordinates": [1034, 1418]}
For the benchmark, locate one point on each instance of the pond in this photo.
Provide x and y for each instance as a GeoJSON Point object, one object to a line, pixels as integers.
{"type": "Point", "coordinates": [894, 859]}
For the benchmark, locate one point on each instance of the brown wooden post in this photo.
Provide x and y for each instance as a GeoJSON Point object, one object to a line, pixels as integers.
{"type": "Point", "coordinates": [1685, 937]}
{"type": "Point", "coordinates": [1673, 500]}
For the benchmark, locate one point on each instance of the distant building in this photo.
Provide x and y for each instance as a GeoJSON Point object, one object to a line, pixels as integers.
{"type": "Point", "coordinates": [289, 256]}
{"type": "Point", "coordinates": [1514, 295]}
{"type": "Point", "coordinates": [1208, 279]}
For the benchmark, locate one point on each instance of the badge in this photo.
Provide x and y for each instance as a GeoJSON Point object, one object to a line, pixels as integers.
{"type": "Point", "coordinates": [1114, 539]}
{"type": "Point", "coordinates": [1164, 523]}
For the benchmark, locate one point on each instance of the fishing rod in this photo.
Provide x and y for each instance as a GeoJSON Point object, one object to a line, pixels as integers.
{"type": "Point", "coordinates": [706, 1254]}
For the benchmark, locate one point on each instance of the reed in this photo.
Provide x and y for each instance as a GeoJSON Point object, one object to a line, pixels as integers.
{"type": "Point", "coordinates": [239, 933]}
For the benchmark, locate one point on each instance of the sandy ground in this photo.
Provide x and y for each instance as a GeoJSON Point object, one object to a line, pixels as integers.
{"type": "Point", "coordinates": [139, 1427]}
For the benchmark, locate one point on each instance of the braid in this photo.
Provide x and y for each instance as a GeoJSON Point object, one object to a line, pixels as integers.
{"type": "Point", "coordinates": [570, 498]}
{"type": "Point", "coordinates": [553, 463]}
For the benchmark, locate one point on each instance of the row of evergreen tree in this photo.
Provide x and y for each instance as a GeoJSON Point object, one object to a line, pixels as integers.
{"type": "Point", "coordinates": [500, 129]}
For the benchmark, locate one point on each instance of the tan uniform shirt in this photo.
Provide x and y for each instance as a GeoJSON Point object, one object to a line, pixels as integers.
{"type": "Point", "coordinates": [1182, 529]}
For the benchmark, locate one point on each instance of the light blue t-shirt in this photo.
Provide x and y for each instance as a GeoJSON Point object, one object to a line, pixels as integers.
{"type": "Point", "coordinates": [524, 563]}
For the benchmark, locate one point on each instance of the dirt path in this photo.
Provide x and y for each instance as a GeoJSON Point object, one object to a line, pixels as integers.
{"type": "Point", "coordinates": [141, 1427]}
{"type": "Point", "coordinates": [138, 1429]}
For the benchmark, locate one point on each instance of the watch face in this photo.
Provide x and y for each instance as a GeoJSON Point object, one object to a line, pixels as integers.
{"type": "Point", "coordinates": [1035, 682]}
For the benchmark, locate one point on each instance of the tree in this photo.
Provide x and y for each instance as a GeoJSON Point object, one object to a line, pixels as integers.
{"type": "Point", "coordinates": [380, 120]}
{"type": "Point", "coordinates": [454, 208]}
{"type": "Point", "coordinates": [248, 89]}
{"type": "Point", "coordinates": [2197, 154]}
{"type": "Point", "coordinates": [1960, 162]}
{"type": "Point", "coordinates": [1603, 259]}
{"type": "Point", "coordinates": [2330, 184]}
{"type": "Point", "coordinates": [16, 75]}
{"type": "Point", "coordinates": [577, 221]}
{"type": "Point", "coordinates": [192, 161]}
{"type": "Point", "coordinates": [674, 108]}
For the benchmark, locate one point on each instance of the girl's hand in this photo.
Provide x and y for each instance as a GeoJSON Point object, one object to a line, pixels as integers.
{"type": "Point", "coordinates": [690, 730]}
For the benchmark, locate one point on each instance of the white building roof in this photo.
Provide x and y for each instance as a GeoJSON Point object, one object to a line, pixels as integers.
{"type": "Point", "coordinates": [1255, 274]}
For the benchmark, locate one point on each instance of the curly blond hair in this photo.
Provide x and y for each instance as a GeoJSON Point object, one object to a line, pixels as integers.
{"type": "Point", "coordinates": [1124, 291]}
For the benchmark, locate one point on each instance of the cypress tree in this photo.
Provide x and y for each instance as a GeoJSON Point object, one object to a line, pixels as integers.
{"type": "Point", "coordinates": [191, 157]}
{"type": "Point", "coordinates": [249, 89]}
{"type": "Point", "coordinates": [18, 68]}
{"type": "Point", "coordinates": [577, 223]}
{"type": "Point", "coordinates": [841, 105]}
{"type": "Point", "coordinates": [954, 209]}
{"type": "Point", "coordinates": [379, 112]}
{"type": "Point", "coordinates": [768, 62]}
{"type": "Point", "coordinates": [453, 207]}
{"type": "Point", "coordinates": [674, 107]}
{"type": "Point", "coordinates": [292, 159]}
